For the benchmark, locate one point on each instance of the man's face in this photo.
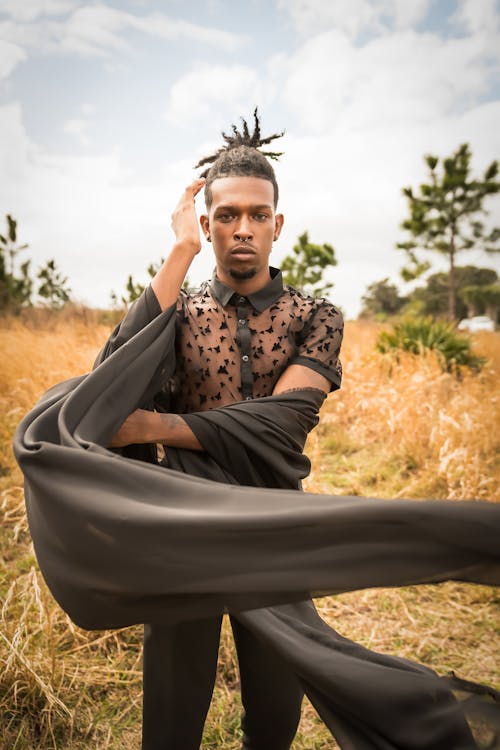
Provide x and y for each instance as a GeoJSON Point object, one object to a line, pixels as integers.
{"type": "Point", "coordinates": [242, 225]}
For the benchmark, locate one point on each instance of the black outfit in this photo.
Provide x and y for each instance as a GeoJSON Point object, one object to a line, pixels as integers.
{"type": "Point", "coordinates": [122, 541]}
{"type": "Point", "coordinates": [231, 348]}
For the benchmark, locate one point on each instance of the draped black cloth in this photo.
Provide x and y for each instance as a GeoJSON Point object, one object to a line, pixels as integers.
{"type": "Point", "coordinates": [123, 541]}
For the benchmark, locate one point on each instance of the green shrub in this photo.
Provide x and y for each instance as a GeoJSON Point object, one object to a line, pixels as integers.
{"type": "Point", "coordinates": [419, 335]}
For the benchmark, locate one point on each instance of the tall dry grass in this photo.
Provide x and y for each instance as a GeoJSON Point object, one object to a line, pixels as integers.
{"type": "Point", "coordinates": [400, 426]}
{"type": "Point", "coordinates": [397, 428]}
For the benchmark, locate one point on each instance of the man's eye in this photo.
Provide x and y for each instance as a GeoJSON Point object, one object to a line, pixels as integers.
{"type": "Point", "coordinates": [261, 217]}
{"type": "Point", "coordinates": [225, 217]}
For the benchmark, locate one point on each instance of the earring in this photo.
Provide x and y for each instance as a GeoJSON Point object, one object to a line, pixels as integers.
{"type": "Point", "coordinates": [209, 239]}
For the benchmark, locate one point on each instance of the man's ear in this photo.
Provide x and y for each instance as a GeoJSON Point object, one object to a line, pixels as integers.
{"type": "Point", "coordinates": [205, 225]}
{"type": "Point", "coordinates": [278, 225]}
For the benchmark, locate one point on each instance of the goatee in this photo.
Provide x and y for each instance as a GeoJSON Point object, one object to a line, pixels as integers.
{"type": "Point", "coordinates": [248, 274]}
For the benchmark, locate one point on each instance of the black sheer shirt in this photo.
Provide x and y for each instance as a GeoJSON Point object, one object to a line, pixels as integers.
{"type": "Point", "coordinates": [231, 347]}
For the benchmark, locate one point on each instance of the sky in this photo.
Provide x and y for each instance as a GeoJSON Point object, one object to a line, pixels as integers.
{"type": "Point", "coordinates": [105, 108]}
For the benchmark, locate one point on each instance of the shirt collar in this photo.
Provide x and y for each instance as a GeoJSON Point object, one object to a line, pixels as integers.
{"type": "Point", "coordinates": [260, 300]}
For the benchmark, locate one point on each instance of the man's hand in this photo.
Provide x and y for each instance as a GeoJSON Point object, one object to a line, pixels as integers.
{"type": "Point", "coordinates": [184, 219]}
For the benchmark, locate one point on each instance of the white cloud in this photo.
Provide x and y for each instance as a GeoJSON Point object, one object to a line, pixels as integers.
{"type": "Point", "coordinates": [404, 76]}
{"type": "Point", "coordinates": [96, 31]}
{"type": "Point", "coordinates": [28, 10]}
{"type": "Point", "coordinates": [101, 30]}
{"type": "Point", "coordinates": [353, 17]}
{"type": "Point", "coordinates": [311, 16]}
{"type": "Point", "coordinates": [78, 128]}
{"type": "Point", "coordinates": [10, 56]}
{"type": "Point", "coordinates": [473, 16]}
{"type": "Point", "coordinates": [160, 25]}
{"type": "Point", "coordinates": [30, 36]}
{"type": "Point", "coordinates": [406, 14]}
{"type": "Point", "coordinates": [209, 91]}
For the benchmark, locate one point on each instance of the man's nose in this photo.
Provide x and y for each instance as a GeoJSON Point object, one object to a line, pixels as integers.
{"type": "Point", "coordinates": [243, 230]}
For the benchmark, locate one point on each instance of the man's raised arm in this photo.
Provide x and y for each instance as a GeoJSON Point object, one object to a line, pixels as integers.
{"type": "Point", "coordinates": [167, 283]}
{"type": "Point", "coordinates": [145, 426]}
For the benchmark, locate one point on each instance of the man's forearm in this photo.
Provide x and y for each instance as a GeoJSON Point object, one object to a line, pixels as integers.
{"type": "Point", "coordinates": [154, 427]}
{"type": "Point", "coordinates": [168, 281]}
{"type": "Point", "coordinates": [174, 432]}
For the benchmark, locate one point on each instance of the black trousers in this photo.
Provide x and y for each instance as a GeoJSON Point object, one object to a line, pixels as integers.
{"type": "Point", "coordinates": [180, 664]}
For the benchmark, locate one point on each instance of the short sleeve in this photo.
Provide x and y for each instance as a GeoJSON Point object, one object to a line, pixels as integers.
{"type": "Point", "coordinates": [318, 344]}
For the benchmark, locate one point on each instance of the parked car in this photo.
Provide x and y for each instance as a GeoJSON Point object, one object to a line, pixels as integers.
{"type": "Point", "coordinates": [478, 323]}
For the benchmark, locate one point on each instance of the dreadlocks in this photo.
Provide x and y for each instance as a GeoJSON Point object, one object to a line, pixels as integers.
{"type": "Point", "coordinates": [240, 157]}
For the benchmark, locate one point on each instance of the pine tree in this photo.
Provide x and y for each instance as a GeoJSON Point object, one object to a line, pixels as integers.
{"type": "Point", "coordinates": [304, 269]}
{"type": "Point", "coordinates": [444, 215]}
{"type": "Point", "coordinates": [134, 289]}
{"type": "Point", "coordinates": [15, 283]}
{"type": "Point", "coordinates": [53, 286]}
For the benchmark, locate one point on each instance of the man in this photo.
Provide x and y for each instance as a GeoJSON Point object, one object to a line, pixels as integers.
{"type": "Point", "coordinates": [242, 336]}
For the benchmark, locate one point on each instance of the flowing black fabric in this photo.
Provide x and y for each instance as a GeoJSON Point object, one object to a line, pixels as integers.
{"type": "Point", "coordinates": [123, 541]}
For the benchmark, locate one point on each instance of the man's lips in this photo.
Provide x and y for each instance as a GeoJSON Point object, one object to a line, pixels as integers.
{"type": "Point", "coordinates": [242, 251]}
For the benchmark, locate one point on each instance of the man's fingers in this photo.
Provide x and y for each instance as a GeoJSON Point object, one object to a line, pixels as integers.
{"type": "Point", "coordinates": [195, 187]}
{"type": "Point", "coordinates": [188, 196]}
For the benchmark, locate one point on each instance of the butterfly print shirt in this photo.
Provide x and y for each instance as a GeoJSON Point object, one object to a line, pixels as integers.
{"type": "Point", "coordinates": [231, 347]}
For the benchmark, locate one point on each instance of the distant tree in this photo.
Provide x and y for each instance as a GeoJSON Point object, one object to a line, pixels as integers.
{"type": "Point", "coordinates": [113, 298]}
{"type": "Point", "coordinates": [135, 289]}
{"type": "Point", "coordinates": [482, 299]}
{"type": "Point", "coordinates": [444, 216]}
{"type": "Point", "coordinates": [53, 286]}
{"type": "Point", "coordinates": [15, 283]}
{"type": "Point", "coordinates": [381, 300]}
{"type": "Point", "coordinates": [305, 267]}
{"type": "Point", "coordinates": [432, 298]}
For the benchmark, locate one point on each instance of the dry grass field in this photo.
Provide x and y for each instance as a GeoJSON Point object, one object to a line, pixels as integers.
{"type": "Point", "coordinates": [398, 428]}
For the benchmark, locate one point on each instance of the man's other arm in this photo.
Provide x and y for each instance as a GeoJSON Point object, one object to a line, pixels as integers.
{"type": "Point", "coordinates": [154, 427]}
{"type": "Point", "coordinates": [300, 376]}
{"type": "Point", "coordinates": [172, 431]}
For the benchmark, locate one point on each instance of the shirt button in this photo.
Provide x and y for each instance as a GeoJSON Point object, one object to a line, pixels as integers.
{"type": "Point", "coordinates": [242, 299]}
{"type": "Point", "coordinates": [242, 321]}
{"type": "Point", "coordinates": [248, 398]}
{"type": "Point", "coordinates": [245, 358]}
